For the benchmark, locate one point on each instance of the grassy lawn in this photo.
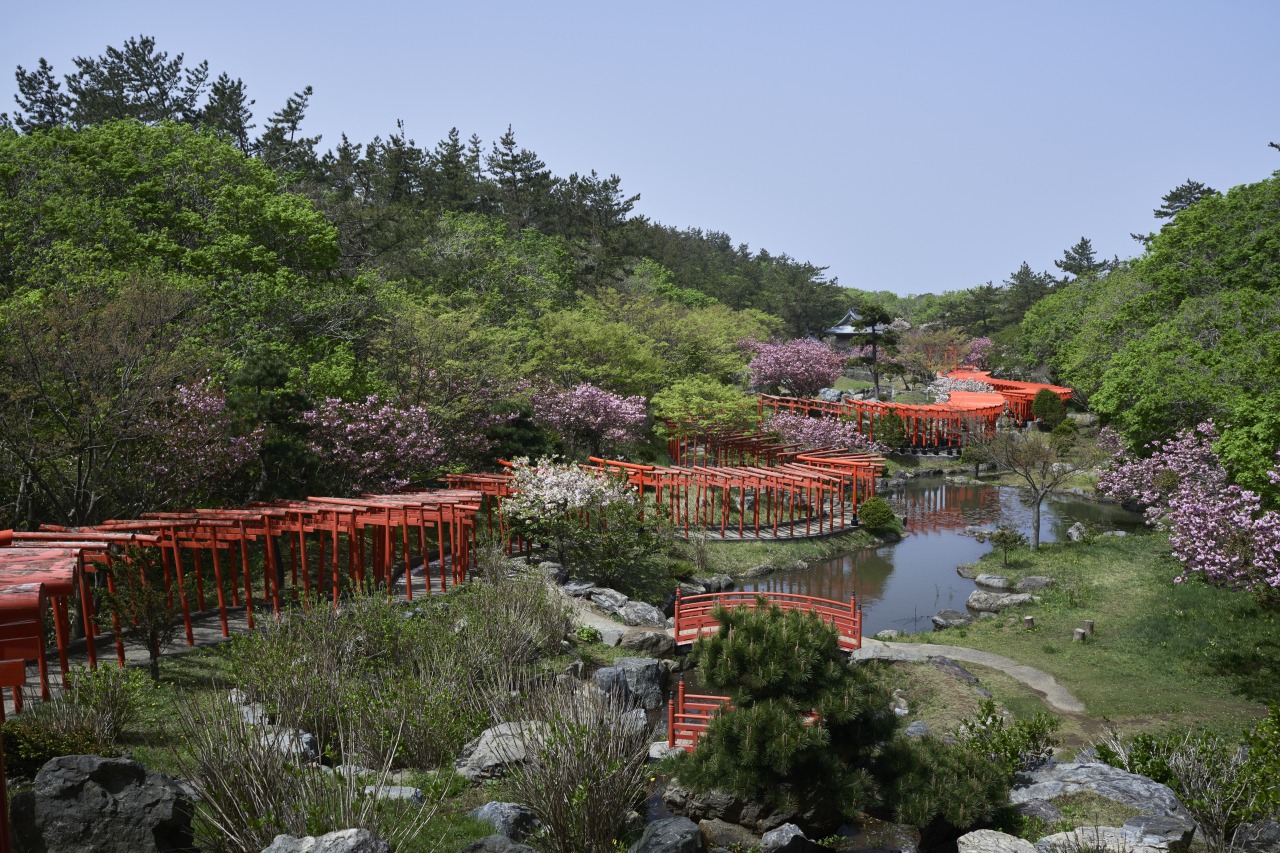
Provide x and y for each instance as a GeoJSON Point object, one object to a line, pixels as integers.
{"type": "Point", "coordinates": [733, 558]}
{"type": "Point", "coordinates": [1162, 653]}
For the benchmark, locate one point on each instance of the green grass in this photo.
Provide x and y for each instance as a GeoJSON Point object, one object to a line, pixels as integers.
{"type": "Point", "coordinates": [733, 558]}
{"type": "Point", "coordinates": [1162, 653]}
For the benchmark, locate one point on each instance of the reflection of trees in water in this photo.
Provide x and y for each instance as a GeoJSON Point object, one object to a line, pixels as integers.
{"type": "Point", "coordinates": [936, 507]}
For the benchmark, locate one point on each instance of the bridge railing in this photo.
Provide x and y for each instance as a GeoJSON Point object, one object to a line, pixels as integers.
{"type": "Point", "coordinates": [688, 715]}
{"type": "Point", "coordinates": [695, 616]}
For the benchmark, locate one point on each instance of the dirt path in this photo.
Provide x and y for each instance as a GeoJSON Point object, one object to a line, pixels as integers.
{"type": "Point", "coordinates": [1055, 695]}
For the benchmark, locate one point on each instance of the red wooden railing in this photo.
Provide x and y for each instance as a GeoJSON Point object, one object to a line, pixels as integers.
{"type": "Point", "coordinates": [695, 614]}
{"type": "Point", "coordinates": [689, 714]}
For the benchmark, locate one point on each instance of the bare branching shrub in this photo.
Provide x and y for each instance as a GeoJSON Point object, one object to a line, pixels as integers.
{"type": "Point", "coordinates": [589, 771]}
{"type": "Point", "coordinates": [248, 790]}
{"type": "Point", "coordinates": [1215, 783]}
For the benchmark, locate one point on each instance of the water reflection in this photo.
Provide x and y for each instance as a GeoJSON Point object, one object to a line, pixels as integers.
{"type": "Point", "coordinates": [900, 586]}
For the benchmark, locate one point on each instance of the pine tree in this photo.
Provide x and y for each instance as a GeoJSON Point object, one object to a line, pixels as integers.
{"type": "Point", "coordinates": [41, 97]}
{"type": "Point", "coordinates": [1081, 259]}
{"type": "Point", "coordinates": [524, 182]}
{"type": "Point", "coordinates": [135, 81]}
{"type": "Point", "coordinates": [1181, 197]}
{"type": "Point", "coordinates": [281, 146]}
{"type": "Point", "coordinates": [227, 111]}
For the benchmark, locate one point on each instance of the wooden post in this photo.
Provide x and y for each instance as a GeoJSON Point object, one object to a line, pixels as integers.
{"type": "Point", "coordinates": [1079, 635]}
{"type": "Point", "coordinates": [1088, 627]}
{"type": "Point", "coordinates": [1029, 622]}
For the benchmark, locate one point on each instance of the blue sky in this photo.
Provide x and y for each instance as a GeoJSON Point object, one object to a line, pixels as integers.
{"type": "Point", "coordinates": [909, 147]}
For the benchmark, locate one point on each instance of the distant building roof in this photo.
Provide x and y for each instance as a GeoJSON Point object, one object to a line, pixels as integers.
{"type": "Point", "coordinates": [851, 325]}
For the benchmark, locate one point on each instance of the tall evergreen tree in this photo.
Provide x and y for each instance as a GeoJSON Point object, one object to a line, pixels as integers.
{"type": "Point", "coordinates": [227, 111]}
{"type": "Point", "coordinates": [1081, 259]}
{"type": "Point", "coordinates": [524, 182]}
{"type": "Point", "coordinates": [281, 146]}
{"type": "Point", "coordinates": [41, 98]}
{"type": "Point", "coordinates": [135, 81]}
{"type": "Point", "coordinates": [1181, 197]}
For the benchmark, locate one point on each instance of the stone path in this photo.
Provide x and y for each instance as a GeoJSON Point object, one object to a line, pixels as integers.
{"type": "Point", "coordinates": [1055, 695]}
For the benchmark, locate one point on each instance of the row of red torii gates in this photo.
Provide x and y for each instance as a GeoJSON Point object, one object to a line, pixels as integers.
{"type": "Point", "coordinates": [965, 414]}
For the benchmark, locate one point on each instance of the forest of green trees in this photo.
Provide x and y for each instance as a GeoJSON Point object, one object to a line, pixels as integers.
{"type": "Point", "coordinates": [169, 269]}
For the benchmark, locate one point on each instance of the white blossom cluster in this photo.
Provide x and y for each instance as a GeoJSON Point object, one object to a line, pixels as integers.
{"type": "Point", "coordinates": [551, 487]}
{"type": "Point", "coordinates": [940, 389]}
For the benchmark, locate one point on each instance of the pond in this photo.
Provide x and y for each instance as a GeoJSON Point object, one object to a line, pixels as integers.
{"type": "Point", "coordinates": [901, 585]}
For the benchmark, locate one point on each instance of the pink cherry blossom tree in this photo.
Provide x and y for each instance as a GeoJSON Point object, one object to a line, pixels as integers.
{"type": "Point", "coordinates": [371, 445]}
{"type": "Point", "coordinates": [590, 418]}
{"type": "Point", "coordinates": [812, 433]}
{"type": "Point", "coordinates": [801, 367]}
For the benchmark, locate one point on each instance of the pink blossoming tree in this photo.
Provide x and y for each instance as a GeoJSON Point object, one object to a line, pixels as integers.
{"type": "Point", "coordinates": [801, 367]}
{"type": "Point", "coordinates": [371, 445]}
{"type": "Point", "coordinates": [811, 433]}
{"type": "Point", "coordinates": [590, 418]}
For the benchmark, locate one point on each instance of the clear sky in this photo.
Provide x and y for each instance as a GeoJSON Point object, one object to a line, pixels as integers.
{"type": "Point", "coordinates": [911, 147]}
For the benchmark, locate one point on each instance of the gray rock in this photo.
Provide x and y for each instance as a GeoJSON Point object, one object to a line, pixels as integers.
{"type": "Point", "coordinates": [949, 667]}
{"type": "Point", "coordinates": [1119, 534]}
{"type": "Point", "coordinates": [967, 570]}
{"type": "Point", "coordinates": [338, 841]}
{"type": "Point", "coordinates": [1033, 583]}
{"type": "Point", "coordinates": [497, 844]}
{"type": "Point", "coordinates": [91, 804]}
{"type": "Point", "coordinates": [1261, 836]}
{"type": "Point", "coordinates": [354, 771]}
{"type": "Point", "coordinates": [638, 613]}
{"type": "Point", "coordinates": [294, 743]}
{"type": "Point", "coordinates": [671, 835]}
{"type": "Point", "coordinates": [395, 792]}
{"type": "Point", "coordinates": [510, 819]}
{"type": "Point", "coordinates": [830, 395]}
{"type": "Point", "coordinates": [757, 571]}
{"type": "Point", "coordinates": [917, 728]}
{"type": "Point", "coordinates": [715, 583]}
{"type": "Point", "coordinates": [659, 750]}
{"type": "Point", "coordinates": [788, 838]}
{"type": "Point", "coordinates": [612, 636]}
{"type": "Point", "coordinates": [553, 572]}
{"type": "Point", "coordinates": [609, 599]}
{"type": "Point", "coordinates": [236, 696]}
{"type": "Point", "coordinates": [578, 589]}
{"type": "Point", "coordinates": [887, 635]}
{"type": "Point", "coordinates": [949, 619]}
{"type": "Point", "coordinates": [690, 588]}
{"type": "Point", "coordinates": [720, 833]}
{"type": "Point", "coordinates": [658, 644]}
{"type": "Point", "coordinates": [994, 602]}
{"type": "Point", "coordinates": [1111, 839]}
{"type": "Point", "coordinates": [1040, 809]}
{"type": "Point", "coordinates": [1077, 532]}
{"type": "Point", "coordinates": [1172, 833]}
{"type": "Point", "coordinates": [990, 841]}
{"type": "Point", "coordinates": [635, 721]}
{"type": "Point", "coordinates": [645, 680]}
{"type": "Point", "coordinates": [1141, 793]}
{"type": "Point", "coordinates": [253, 714]}
{"type": "Point", "coordinates": [497, 748]}
{"type": "Point", "coordinates": [997, 582]}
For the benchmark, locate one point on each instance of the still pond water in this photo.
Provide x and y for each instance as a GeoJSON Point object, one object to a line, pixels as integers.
{"type": "Point", "coordinates": [901, 585]}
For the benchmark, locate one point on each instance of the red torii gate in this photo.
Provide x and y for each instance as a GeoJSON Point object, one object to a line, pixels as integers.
{"type": "Point", "coordinates": [1018, 395]}
{"type": "Point", "coordinates": [947, 424]}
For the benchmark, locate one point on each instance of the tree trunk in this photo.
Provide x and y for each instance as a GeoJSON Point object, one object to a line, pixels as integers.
{"type": "Point", "coordinates": [153, 650]}
{"type": "Point", "coordinates": [1035, 523]}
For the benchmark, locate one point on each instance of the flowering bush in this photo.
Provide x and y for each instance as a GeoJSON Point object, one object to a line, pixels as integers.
{"type": "Point", "coordinates": [592, 522]}
{"type": "Point", "coordinates": [1218, 530]}
{"type": "Point", "coordinates": [197, 452]}
{"type": "Point", "coordinates": [372, 445]}
{"type": "Point", "coordinates": [590, 417]}
{"type": "Point", "coordinates": [978, 353]}
{"type": "Point", "coordinates": [940, 389]}
{"type": "Point", "coordinates": [812, 433]}
{"type": "Point", "coordinates": [802, 366]}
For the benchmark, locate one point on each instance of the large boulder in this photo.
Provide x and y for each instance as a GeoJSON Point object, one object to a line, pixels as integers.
{"type": "Point", "coordinates": [993, 602]}
{"type": "Point", "coordinates": [1032, 583]}
{"type": "Point", "coordinates": [760, 819]}
{"type": "Point", "coordinates": [645, 680]}
{"type": "Point", "coordinates": [498, 748]}
{"type": "Point", "coordinates": [670, 835]}
{"type": "Point", "coordinates": [1139, 792]}
{"type": "Point", "coordinates": [1111, 839]}
{"type": "Point", "coordinates": [996, 582]}
{"type": "Point", "coordinates": [658, 644]}
{"type": "Point", "coordinates": [293, 743]}
{"type": "Point", "coordinates": [91, 804]}
{"type": "Point", "coordinates": [510, 819]}
{"type": "Point", "coordinates": [719, 833]}
{"type": "Point", "coordinates": [338, 841]}
{"type": "Point", "coordinates": [990, 841]}
{"type": "Point", "coordinates": [788, 838]}
{"type": "Point", "coordinates": [608, 599]}
{"type": "Point", "coordinates": [639, 613]}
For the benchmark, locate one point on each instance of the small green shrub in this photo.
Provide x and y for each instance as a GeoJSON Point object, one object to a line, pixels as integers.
{"type": "Point", "coordinates": [1021, 745]}
{"type": "Point", "coordinates": [875, 514]}
{"type": "Point", "coordinates": [1067, 429]}
{"type": "Point", "coordinates": [588, 634]}
{"type": "Point", "coordinates": [45, 730]}
{"type": "Point", "coordinates": [1048, 408]}
{"type": "Point", "coordinates": [109, 697]}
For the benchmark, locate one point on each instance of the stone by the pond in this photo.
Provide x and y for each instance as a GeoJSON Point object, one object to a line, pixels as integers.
{"type": "Point", "coordinates": [990, 841]}
{"type": "Point", "coordinates": [830, 395]}
{"type": "Point", "coordinates": [950, 619]}
{"type": "Point", "coordinates": [949, 667]}
{"type": "Point", "coordinates": [715, 583]}
{"type": "Point", "coordinates": [788, 838]}
{"type": "Point", "coordinates": [497, 844]}
{"type": "Point", "coordinates": [690, 588]}
{"type": "Point", "coordinates": [513, 820]}
{"type": "Point", "coordinates": [638, 613]}
{"type": "Point", "coordinates": [497, 748]}
{"type": "Point", "coordinates": [757, 571]}
{"type": "Point", "coordinates": [968, 571]}
{"type": "Point", "coordinates": [670, 835]}
{"type": "Point", "coordinates": [338, 841]}
{"type": "Point", "coordinates": [659, 750]}
{"type": "Point", "coordinates": [1139, 792]}
{"type": "Point", "coordinates": [579, 588]}
{"type": "Point", "coordinates": [645, 679]}
{"type": "Point", "coordinates": [395, 792]}
{"type": "Point", "coordinates": [1032, 583]}
{"type": "Point", "coordinates": [994, 602]}
{"type": "Point", "coordinates": [721, 833]}
{"type": "Point", "coordinates": [294, 743]}
{"type": "Point", "coordinates": [91, 804]}
{"type": "Point", "coordinates": [608, 599]}
{"type": "Point", "coordinates": [997, 582]}
{"type": "Point", "coordinates": [656, 644]}
{"type": "Point", "coordinates": [887, 635]}
{"type": "Point", "coordinates": [1077, 532]}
